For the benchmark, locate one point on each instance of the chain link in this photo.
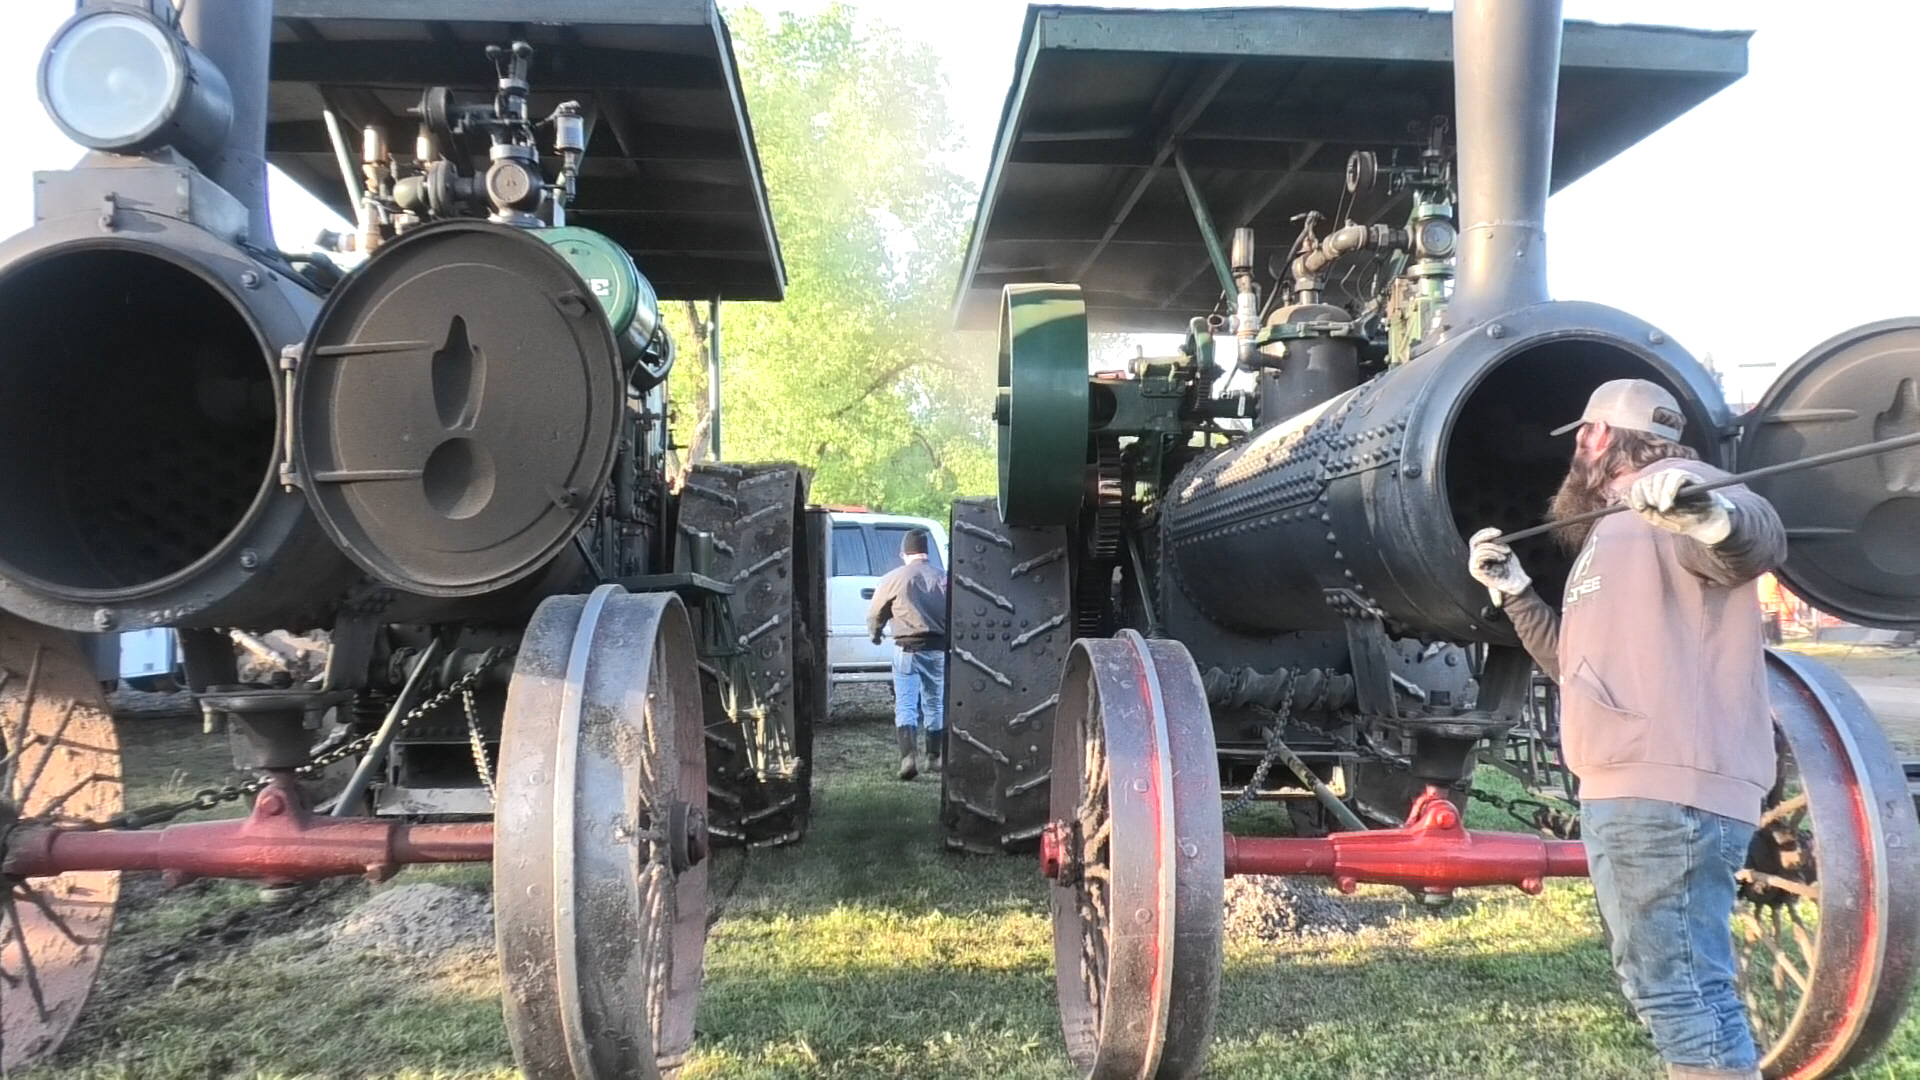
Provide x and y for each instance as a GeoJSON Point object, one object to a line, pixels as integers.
{"type": "Point", "coordinates": [478, 745]}
{"type": "Point", "coordinates": [1279, 720]}
{"type": "Point", "coordinates": [211, 797]}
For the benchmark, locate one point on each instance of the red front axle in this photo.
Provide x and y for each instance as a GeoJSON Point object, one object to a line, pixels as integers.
{"type": "Point", "coordinates": [279, 841]}
{"type": "Point", "coordinates": [1432, 853]}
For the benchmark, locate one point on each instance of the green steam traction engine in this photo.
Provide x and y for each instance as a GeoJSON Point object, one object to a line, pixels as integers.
{"type": "Point", "coordinates": [1240, 569]}
{"type": "Point", "coordinates": [454, 458]}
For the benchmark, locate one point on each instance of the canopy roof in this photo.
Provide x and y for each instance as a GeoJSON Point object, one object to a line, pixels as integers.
{"type": "Point", "coordinates": [1265, 105]}
{"type": "Point", "coordinates": [671, 171]}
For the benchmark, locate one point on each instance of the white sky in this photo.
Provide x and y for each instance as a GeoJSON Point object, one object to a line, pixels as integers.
{"type": "Point", "coordinates": [1768, 219]}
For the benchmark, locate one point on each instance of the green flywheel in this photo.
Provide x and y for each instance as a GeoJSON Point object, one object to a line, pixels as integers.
{"type": "Point", "coordinates": [1042, 409]}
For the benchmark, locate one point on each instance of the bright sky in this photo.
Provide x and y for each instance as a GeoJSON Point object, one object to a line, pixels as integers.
{"type": "Point", "coordinates": [1724, 228]}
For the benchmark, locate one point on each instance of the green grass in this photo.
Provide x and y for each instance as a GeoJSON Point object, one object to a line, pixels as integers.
{"type": "Point", "coordinates": [869, 952]}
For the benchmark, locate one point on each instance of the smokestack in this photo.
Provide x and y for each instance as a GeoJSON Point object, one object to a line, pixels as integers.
{"type": "Point", "coordinates": [237, 35]}
{"type": "Point", "coordinates": [1506, 78]}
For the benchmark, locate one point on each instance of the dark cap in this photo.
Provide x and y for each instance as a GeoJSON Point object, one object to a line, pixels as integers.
{"type": "Point", "coordinates": [914, 543]}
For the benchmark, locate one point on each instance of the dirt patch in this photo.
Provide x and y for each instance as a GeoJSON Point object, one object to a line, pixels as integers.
{"type": "Point", "coordinates": [1273, 909]}
{"type": "Point", "coordinates": [424, 920]}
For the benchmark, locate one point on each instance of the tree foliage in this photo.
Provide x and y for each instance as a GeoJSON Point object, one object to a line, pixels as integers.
{"type": "Point", "coordinates": [856, 373]}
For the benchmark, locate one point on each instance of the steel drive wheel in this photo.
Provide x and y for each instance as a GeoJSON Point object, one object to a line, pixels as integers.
{"type": "Point", "coordinates": [61, 764]}
{"type": "Point", "coordinates": [1829, 908]}
{"type": "Point", "coordinates": [600, 878]}
{"type": "Point", "coordinates": [1135, 852]}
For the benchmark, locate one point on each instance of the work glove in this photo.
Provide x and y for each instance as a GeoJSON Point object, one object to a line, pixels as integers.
{"type": "Point", "coordinates": [876, 639]}
{"type": "Point", "coordinates": [1494, 566]}
{"type": "Point", "coordinates": [1664, 501]}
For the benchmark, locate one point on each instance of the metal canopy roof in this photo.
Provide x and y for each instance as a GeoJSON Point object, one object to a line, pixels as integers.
{"type": "Point", "coordinates": [1265, 104]}
{"type": "Point", "coordinates": [671, 170]}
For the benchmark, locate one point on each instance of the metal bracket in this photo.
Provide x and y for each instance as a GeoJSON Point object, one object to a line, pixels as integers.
{"type": "Point", "coordinates": [1506, 679]}
{"type": "Point", "coordinates": [356, 633]}
{"type": "Point", "coordinates": [1367, 647]}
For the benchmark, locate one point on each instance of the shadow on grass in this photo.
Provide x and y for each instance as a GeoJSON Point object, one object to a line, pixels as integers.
{"type": "Point", "coordinates": [874, 843]}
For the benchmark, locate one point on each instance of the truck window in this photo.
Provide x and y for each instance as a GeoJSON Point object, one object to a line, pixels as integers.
{"type": "Point", "coordinates": [850, 552]}
{"type": "Point", "coordinates": [884, 547]}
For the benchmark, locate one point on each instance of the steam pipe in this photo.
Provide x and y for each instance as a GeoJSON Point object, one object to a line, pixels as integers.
{"type": "Point", "coordinates": [1506, 77]}
{"type": "Point", "coordinates": [237, 36]}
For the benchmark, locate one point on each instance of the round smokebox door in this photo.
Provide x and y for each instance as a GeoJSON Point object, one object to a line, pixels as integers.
{"type": "Point", "coordinates": [457, 409]}
{"type": "Point", "coordinates": [1853, 529]}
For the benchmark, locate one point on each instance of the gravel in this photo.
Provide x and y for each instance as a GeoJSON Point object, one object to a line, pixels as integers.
{"type": "Point", "coordinates": [417, 920]}
{"type": "Point", "coordinates": [1274, 909]}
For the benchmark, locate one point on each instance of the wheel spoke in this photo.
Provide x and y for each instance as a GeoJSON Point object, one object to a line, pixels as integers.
{"type": "Point", "coordinates": [28, 970]}
{"type": "Point", "coordinates": [17, 738]}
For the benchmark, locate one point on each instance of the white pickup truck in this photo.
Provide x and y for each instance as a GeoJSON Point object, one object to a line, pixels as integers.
{"type": "Point", "coordinates": [865, 547]}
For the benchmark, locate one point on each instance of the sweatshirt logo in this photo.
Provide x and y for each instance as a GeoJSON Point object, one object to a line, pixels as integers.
{"type": "Point", "coordinates": [1580, 583]}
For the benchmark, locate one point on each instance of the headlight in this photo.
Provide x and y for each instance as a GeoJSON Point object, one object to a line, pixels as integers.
{"type": "Point", "coordinates": [121, 80]}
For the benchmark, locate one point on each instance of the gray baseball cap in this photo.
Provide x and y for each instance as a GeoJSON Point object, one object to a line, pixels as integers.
{"type": "Point", "coordinates": [1634, 404]}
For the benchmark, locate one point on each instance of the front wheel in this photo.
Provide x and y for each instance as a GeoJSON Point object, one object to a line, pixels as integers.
{"type": "Point", "coordinates": [1829, 903]}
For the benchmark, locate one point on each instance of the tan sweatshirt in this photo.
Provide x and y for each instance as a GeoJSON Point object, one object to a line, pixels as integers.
{"type": "Point", "coordinates": [1657, 651]}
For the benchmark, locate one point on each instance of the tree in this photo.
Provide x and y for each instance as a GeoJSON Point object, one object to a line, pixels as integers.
{"type": "Point", "coordinates": [857, 373]}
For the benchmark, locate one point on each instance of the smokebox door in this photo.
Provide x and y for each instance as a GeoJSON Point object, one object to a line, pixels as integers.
{"type": "Point", "coordinates": [1853, 529]}
{"type": "Point", "coordinates": [456, 410]}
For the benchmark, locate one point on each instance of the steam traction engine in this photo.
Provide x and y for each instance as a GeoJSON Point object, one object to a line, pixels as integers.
{"type": "Point", "coordinates": [454, 458]}
{"type": "Point", "coordinates": [1239, 569]}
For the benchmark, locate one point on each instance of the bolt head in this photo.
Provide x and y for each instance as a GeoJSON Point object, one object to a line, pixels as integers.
{"type": "Point", "coordinates": [249, 279]}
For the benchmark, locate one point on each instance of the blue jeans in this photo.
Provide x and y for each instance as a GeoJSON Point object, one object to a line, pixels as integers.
{"type": "Point", "coordinates": [920, 688]}
{"type": "Point", "coordinates": [1663, 874]}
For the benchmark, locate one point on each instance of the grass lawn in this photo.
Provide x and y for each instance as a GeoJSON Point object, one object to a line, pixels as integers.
{"type": "Point", "coordinates": [865, 952]}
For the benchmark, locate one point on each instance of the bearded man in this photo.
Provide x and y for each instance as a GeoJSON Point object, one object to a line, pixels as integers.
{"type": "Point", "coordinates": [1663, 707]}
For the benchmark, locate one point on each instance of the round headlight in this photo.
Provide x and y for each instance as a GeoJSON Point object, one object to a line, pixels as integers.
{"type": "Point", "coordinates": [121, 80]}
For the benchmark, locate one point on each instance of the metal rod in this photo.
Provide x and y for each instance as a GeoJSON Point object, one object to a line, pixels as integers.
{"type": "Point", "coordinates": [348, 175]}
{"type": "Point", "coordinates": [1211, 236]}
{"type": "Point", "coordinates": [1328, 799]}
{"type": "Point", "coordinates": [389, 727]}
{"type": "Point", "coordinates": [713, 378]}
{"type": "Point", "coordinates": [1898, 442]}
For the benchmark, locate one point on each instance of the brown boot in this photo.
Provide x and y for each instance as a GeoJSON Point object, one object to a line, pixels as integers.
{"type": "Point", "coordinates": [936, 749]}
{"type": "Point", "coordinates": [909, 764]}
{"type": "Point", "coordinates": [1692, 1072]}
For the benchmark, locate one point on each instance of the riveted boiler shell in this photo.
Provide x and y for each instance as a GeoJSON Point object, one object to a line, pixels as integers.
{"type": "Point", "coordinates": [1363, 504]}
